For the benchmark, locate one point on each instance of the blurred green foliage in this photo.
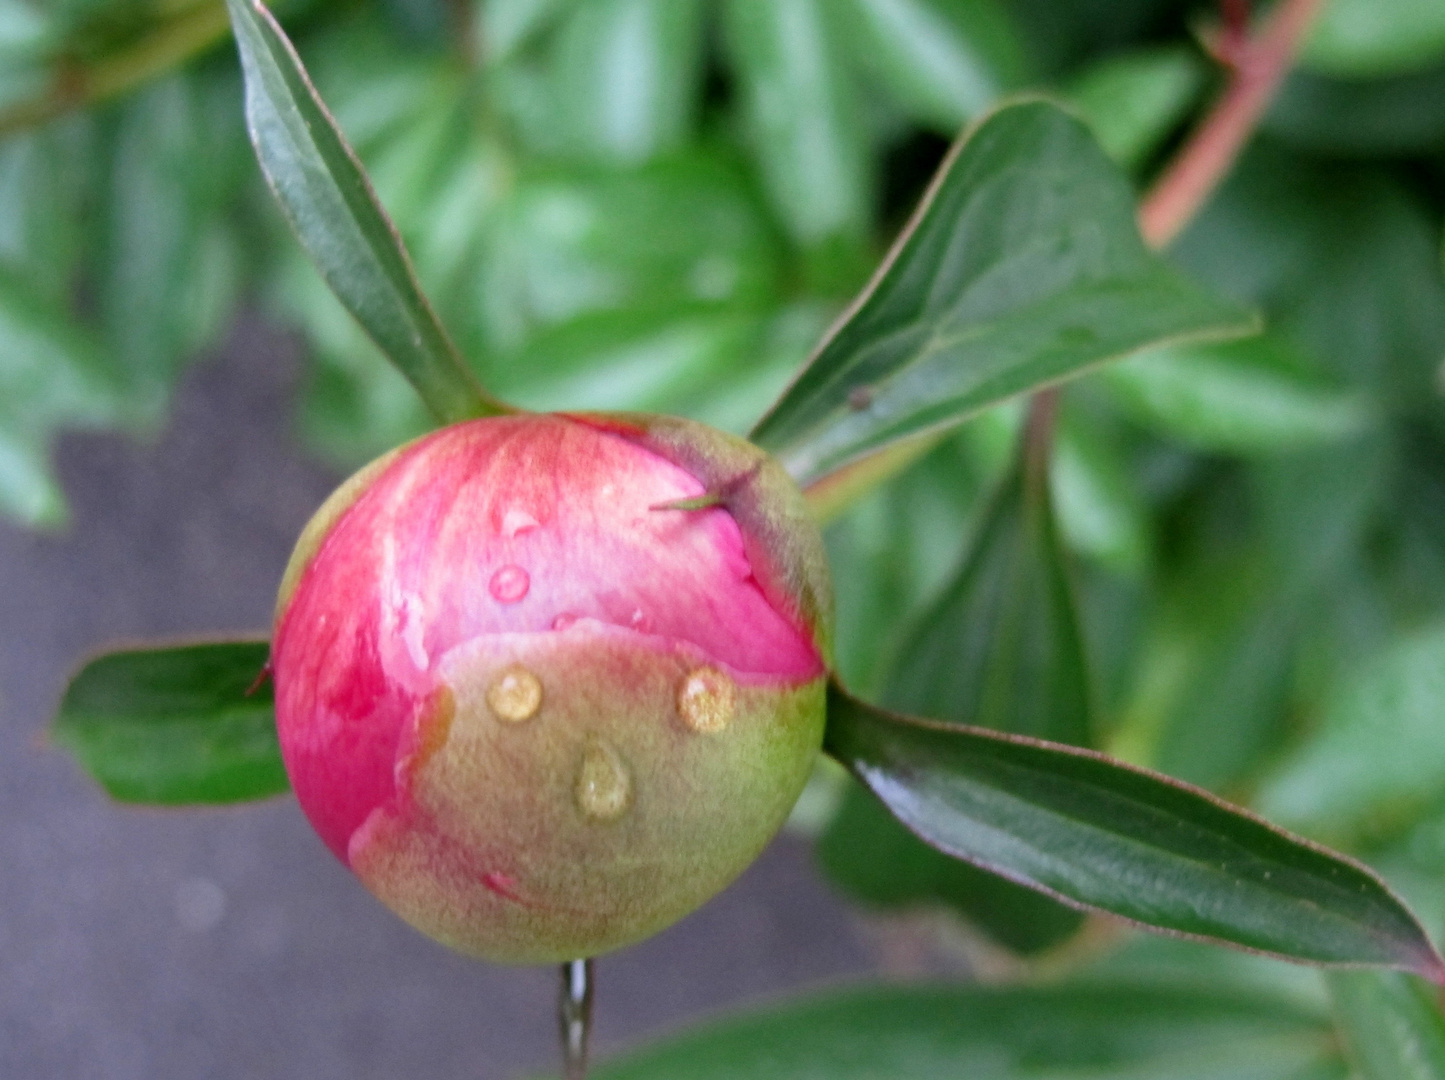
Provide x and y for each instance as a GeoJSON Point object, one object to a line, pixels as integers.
{"type": "Point", "coordinates": [662, 204]}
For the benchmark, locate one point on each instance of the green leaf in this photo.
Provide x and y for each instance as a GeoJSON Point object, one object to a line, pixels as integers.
{"type": "Point", "coordinates": [1000, 647]}
{"type": "Point", "coordinates": [1401, 114]}
{"type": "Point", "coordinates": [1142, 1031]}
{"type": "Point", "coordinates": [1364, 38]}
{"type": "Point", "coordinates": [1243, 397]}
{"type": "Point", "coordinates": [1022, 267]}
{"type": "Point", "coordinates": [628, 78]}
{"type": "Point", "coordinates": [175, 725]}
{"type": "Point", "coordinates": [806, 126]}
{"type": "Point", "coordinates": [1391, 1023]}
{"type": "Point", "coordinates": [330, 204]}
{"type": "Point", "coordinates": [1132, 102]}
{"type": "Point", "coordinates": [878, 862]}
{"type": "Point", "coordinates": [945, 60]}
{"type": "Point", "coordinates": [1100, 508]}
{"type": "Point", "coordinates": [1099, 834]}
{"type": "Point", "coordinates": [1378, 755]}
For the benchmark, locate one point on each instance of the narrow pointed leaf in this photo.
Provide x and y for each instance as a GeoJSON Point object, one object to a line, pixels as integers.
{"type": "Point", "coordinates": [177, 725]}
{"type": "Point", "coordinates": [1099, 834]}
{"type": "Point", "coordinates": [1113, 1030]}
{"type": "Point", "coordinates": [331, 206]}
{"type": "Point", "coordinates": [1392, 1026]}
{"type": "Point", "coordinates": [1022, 267]}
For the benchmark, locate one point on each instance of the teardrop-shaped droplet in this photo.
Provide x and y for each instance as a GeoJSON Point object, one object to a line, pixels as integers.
{"type": "Point", "coordinates": [604, 788]}
{"type": "Point", "coordinates": [510, 584]}
{"type": "Point", "coordinates": [515, 694]}
{"type": "Point", "coordinates": [706, 700]}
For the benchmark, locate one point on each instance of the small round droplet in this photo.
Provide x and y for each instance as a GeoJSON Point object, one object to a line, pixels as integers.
{"type": "Point", "coordinates": [510, 584]}
{"type": "Point", "coordinates": [515, 695]}
{"type": "Point", "coordinates": [640, 622]}
{"type": "Point", "coordinates": [604, 789]}
{"type": "Point", "coordinates": [565, 621]}
{"type": "Point", "coordinates": [706, 700]}
{"type": "Point", "coordinates": [517, 523]}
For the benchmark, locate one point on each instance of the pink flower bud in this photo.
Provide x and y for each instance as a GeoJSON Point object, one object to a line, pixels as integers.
{"type": "Point", "coordinates": [547, 683]}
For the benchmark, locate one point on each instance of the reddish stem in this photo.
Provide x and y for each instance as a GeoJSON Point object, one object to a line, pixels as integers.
{"type": "Point", "coordinates": [1259, 67]}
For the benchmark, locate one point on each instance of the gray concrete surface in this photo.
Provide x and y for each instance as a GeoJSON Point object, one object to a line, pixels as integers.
{"type": "Point", "coordinates": [175, 945]}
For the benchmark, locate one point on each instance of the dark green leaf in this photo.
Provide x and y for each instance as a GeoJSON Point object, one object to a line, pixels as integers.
{"type": "Point", "coordinates": [865, 851]}
{"type": "Point", "coordinates": [1100, 834]}
{"type": "Point", "coordinates": [175, 725]}
{"type": "Point", "coordinates": [1391, 1023]}
{"type": "Point", "coordinates": [330, 204]}
{"type": "Point", "coordinates": [1022, 267]}
{"type": "Point", "coordinates": [1242, 397]}
{"type": "Point", "coordinates": [945, 60]}
{"type": "Point", "coordinates": [1363, 38]}
{"type": "Point", "coordinates": [806, 125]}
{"type": "Point", "coordinates": [1378, 753]}
{"type": "Point", "coordinates": [628, 78]}
{"type": "Point", "coordinates": [1154, 1031]}
{"type": "Point", "coordinates": [1000, 646]}
{"type": "Point", "coordinates": [1132, 102]}
{"type": "Point", "coordinates": [1403, 114]}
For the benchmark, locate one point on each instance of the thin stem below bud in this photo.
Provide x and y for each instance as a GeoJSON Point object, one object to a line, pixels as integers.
{"type": "Point", "coordinates": [574, 1017]}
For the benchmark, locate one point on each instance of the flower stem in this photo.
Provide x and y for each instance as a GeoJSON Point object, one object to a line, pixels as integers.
{"type": "Point", "coordinates": [574, 1017]}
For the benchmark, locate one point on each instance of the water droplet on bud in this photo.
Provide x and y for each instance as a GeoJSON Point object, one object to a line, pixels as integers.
{"type": "Point", "coordinates": [565, 621]}
{"type": "Point", "coordinates": [510, 584]}
{"type": "Point", "coordinates": [517, 522]}
{"type": "Point", "coordinates": [640, 622]}
{"type": "Point", "coordinates": [706, 700]}
{"type": "Point", "coordinates": [515, 695]}
{"type": "Point", "coordinates": [604, 789]}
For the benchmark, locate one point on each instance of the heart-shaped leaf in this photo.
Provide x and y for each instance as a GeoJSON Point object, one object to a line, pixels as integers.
{"type": "Point", "coordinates": [334, 212]}
{"type": "Point", "coordinates": [1022, 267]}
{"type": "Point", "coordinates": [180, 725]}
{"type": "Point", "coordinates": [1100, 834]}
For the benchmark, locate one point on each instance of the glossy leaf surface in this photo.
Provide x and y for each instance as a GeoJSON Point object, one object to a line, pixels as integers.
{"type": "Point", "coordinates": [1100, 834]}
{"type": "Point", "coordinates": [1022, 267]}
{"type": "Point", "coordinates": [175, 725]}
{"type": "Point", "coordinates": [330, 204]}
{"type": "Point", "coordinates": [1157, 1032]}
{"type": "Point", "coordinates": [1392, 1026]}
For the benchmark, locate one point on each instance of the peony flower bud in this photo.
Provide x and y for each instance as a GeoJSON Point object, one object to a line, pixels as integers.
{"type": "Point", "coordinates": [547, 683]}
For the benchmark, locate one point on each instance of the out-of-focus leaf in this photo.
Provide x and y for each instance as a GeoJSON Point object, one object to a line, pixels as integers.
{"type": "Point", "coordinates": [628, 78]}
{"type": "Point", "coordinates": [25, 33]}
{"type": "Point", "coordinates": [1000, 647]}
{"type": "Point", "coordinates": [867, 853]}
{"type": "Point", "coordinates": [1101, 512]}
{"type": "Point", "coordinates": [1086, 1029]}
{"type": "Point", "coordinates": [1238, 397]}
{"type": "Point", "coordinates": [44, 182]}
{"type": "Point", "coordinates": [508, 25]}
{"type": "Point", "coordinates": [1391, 1023]}
{"type": "Point", "coordinates": [51, 376]}
{"type": "Point", "coordinates": [1398, 115]}
{"type": "Point", "coordinates": [330, 204]}
{"type": "Point", "coordinates": [175, 725]}
{"type": "Point", "coordinates": [1023, 267]}
{"type": "Point", "coordinates": [945, 60]}
{"type": "Point", "coordinates": [1378, 752]}
{"type": "Point", "coordinates": [1139, 845]}
{"type": "Point", "coordinates": [807, 130]}
{"type": "Point", "coordinates": [1063, 34]}
{"type": "Point", "coordinates": [1344, 259]}
{"type": "Point", "coordinates": [1363, 38]}
{"type": "Point", "coordinates": [1132, 102]}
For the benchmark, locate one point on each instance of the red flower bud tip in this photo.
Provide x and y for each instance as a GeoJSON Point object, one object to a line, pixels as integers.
{"type": "Point", "coordinates": [546, 683]}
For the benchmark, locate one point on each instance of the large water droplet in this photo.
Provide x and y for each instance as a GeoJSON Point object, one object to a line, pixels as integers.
{"type": "Point", "coordinates": [604, 789]}
{"type": "Point", "coordinates": [706, 700]}
{"type": "Point", "coordinates": [515, 694]}
{"type": "Point", "coordinates": [510, 584]}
